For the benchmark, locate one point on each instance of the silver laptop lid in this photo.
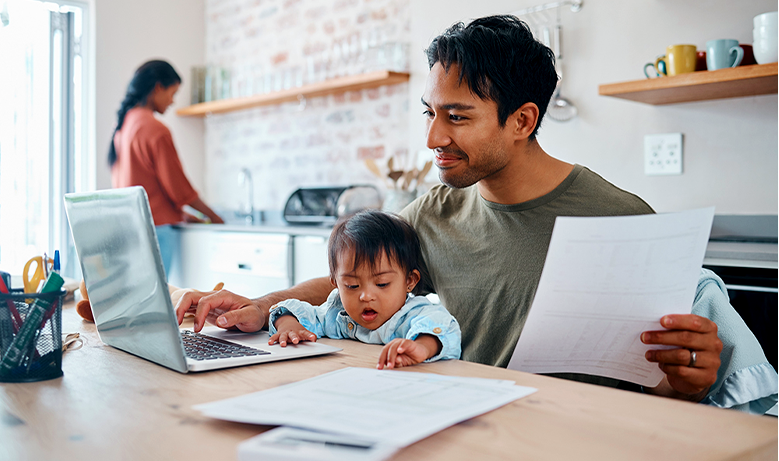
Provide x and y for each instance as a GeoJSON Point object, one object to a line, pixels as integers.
{"type": "Point", "coordinates": [120, 260]}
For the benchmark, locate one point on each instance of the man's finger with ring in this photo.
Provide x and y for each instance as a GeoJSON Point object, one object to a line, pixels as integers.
{"type": "Point", "coordinates": [681, 357]}
{"type": "Point", "coordinates": [693, 359]}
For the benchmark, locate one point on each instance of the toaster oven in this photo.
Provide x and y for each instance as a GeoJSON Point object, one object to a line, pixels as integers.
{"type": "Point", "coordinates": [324, 205]}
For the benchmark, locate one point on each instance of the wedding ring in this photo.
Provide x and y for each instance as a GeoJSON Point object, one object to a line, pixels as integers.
{"type": "Point", "coordinates": [693, 359]}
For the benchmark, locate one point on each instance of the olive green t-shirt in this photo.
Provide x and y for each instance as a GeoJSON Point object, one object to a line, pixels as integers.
{"type": "Point", "coordinates": [485, 259]}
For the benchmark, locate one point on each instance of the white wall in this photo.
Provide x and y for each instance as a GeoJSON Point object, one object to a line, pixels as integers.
{"type": "Point", "coordinates": [128, 33]}
{"type": "Point", "coordinates": [286, 146]}
{"type": "Point", "coordinates": [730, 145]}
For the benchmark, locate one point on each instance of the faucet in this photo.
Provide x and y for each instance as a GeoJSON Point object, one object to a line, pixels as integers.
{"type": "Point", "coordinates": [247, 211]}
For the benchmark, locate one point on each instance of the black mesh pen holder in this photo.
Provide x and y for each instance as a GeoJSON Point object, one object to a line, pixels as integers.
{"type": "Point", "coordinates": [30, 336]}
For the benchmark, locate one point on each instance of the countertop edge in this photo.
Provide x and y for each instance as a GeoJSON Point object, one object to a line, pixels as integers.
{"type": "Point", "coordinates": [259, 229]}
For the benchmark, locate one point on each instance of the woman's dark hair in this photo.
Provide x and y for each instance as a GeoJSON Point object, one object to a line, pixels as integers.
{"type": "Point", "coordinates": [370, 233]}
{"type": "Point", "coordinates": [145, 79]}
{"type": "Point", "coordinates": [499, 59]}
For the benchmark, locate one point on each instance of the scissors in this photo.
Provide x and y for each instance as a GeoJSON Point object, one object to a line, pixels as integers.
{"type": "Point", "coordinates": [31, 282]}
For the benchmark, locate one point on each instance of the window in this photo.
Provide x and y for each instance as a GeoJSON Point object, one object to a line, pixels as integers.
{"type": "Point", "coordinates": [43, 153]}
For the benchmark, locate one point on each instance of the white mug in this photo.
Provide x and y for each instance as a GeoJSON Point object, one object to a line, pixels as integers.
{"type": "Point", "coordinates": [764, 37]}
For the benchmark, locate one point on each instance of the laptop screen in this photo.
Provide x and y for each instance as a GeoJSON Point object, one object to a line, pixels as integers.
{"type": "Point", "coordinates": [115, 239]}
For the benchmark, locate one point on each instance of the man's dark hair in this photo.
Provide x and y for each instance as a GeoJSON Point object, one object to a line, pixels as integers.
{"type": "Point", "coordinates": [499, 59]}
{"type": "Point", "coordinates": [370, 233]}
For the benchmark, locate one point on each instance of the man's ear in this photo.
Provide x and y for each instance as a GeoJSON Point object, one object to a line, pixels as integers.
{"type": "Point", "coordinates": [523, 121]}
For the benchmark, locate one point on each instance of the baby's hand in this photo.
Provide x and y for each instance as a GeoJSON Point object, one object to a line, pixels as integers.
{"type": "Point", "coordinates": [290, 330]}
{"type": "Point", "coordinates": [403, 352]}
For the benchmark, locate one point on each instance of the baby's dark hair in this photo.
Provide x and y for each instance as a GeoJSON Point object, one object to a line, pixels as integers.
{"type": "Point", "coordinates": [369, 233]}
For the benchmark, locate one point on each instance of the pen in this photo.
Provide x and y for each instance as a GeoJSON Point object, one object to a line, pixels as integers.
{"type": "Point", "coordinates": [56, 265]}
{"type": "Point", "coordinates": [45, 266]}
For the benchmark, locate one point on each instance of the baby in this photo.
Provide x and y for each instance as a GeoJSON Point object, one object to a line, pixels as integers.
{"type": "Point", "coordinates": [377, 270]}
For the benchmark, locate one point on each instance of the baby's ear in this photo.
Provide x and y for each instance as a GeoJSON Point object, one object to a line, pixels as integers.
{"type": "Point", "coordinates": [332, 282]}
{"type": "Point", "coordinates": [412, 279]}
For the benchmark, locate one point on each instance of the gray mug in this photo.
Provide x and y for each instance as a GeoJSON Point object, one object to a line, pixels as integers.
{"type": "Point", "coordinates": [723, 53]}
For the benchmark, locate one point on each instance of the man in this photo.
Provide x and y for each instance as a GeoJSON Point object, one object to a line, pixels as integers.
{"type": "Point", "coordinates": [486, 233]}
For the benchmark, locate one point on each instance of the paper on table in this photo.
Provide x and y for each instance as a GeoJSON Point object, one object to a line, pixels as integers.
{"type": "Point", "coordinates": [606, 280]}
{"type": "Point", "coordinates": [392, 406]}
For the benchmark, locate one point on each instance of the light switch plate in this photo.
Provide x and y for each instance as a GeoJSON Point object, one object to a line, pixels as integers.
{"type": "Point", "coordinates": [663, 154]}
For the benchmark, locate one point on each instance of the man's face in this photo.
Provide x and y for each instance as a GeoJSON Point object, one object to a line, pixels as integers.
{"type": "Point", "coordinates": [463, 130]}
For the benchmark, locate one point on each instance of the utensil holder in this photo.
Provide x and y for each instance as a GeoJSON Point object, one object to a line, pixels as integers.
{"type": "Point", "coordinates": [30, 336]}
{"type": "Point", "coordinates": [396, 199]}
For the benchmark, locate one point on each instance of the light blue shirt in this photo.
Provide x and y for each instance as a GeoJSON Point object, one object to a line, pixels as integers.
{"type": "Point", "coordinates": [417, 316]}
{"type": "Point", "coordinates": [745, 379]}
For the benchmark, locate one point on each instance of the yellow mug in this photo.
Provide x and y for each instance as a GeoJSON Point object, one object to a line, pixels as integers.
{"type": "Point", "coordinates": [678, 59]}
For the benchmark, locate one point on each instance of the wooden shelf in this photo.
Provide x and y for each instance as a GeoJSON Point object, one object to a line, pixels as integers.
{"type": "Point", "coordinates": [735, 82]}
{"type": "Point", "coordinates": [324, 88]}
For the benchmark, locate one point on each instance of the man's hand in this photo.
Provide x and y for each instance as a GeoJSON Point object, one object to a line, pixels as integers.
{"type": "Point", "coordinates": [221, 308]}
{"type": "Point", "coordinates": [402, 352]}
{"type": "Point", "coordinates": [690, 333]}
{"type": "Point", "coordinates": [289, 329]}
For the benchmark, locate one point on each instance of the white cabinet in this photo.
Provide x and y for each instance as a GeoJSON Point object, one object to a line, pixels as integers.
{"type": "Point", "coordinates": [309, 258]}
{"type": "Point", "coordinates": [250, 264]}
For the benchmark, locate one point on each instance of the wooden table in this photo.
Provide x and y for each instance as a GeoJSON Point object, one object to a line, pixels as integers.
{"type": "Point", "coordinates": [111, 405]}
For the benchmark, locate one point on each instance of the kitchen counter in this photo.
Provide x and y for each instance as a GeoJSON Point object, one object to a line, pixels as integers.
{"type": "Point", "coordinates": [269, 228]}
{"type": "Point", "coordinates": [743, 241]}
{"type": "Point", "coordinates": [264, 222]}
{"type": "Point", "coordinates": [250, 258]}
{"type": "Point", "coordinates": [741, 254]}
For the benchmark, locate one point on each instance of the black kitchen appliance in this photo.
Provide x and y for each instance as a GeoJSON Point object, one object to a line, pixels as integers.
{"type": "Point", "coordinates": [324, 205]}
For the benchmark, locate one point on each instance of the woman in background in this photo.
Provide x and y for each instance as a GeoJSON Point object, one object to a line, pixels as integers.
{"type": "Point", "coordinates": [142, 154]}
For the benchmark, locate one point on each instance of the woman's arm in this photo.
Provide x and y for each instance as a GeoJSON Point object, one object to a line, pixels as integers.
{"type": "Point", "coordinates": [201, 206]}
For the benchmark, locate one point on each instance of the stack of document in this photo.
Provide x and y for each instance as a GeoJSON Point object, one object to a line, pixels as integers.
{"type": "Point", "coordinates": [378, 411]}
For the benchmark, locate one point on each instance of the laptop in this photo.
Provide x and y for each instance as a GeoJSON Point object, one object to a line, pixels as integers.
{"type": "Point", "coordinates": [117, 248]}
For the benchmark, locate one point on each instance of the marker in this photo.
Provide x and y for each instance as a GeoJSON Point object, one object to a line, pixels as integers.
{"type": "Point", "coordinates": [6, 279]}
{"type": "Point", "coordinates": [56, 266]}
{"type": "Point", "coordinates": [7, 322]}
{"type": "Point", "coordinates": [16, 319]}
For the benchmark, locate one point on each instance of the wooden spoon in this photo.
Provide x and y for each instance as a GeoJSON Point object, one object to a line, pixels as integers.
{"type": "Point", "coordinates": [394, 176]}
{"type": "Point", "coordinates": [408, 177]}
{"type": "Point", "coordinates": [373, 167]}
{"type": "Point", "coordinates": [423, 173]}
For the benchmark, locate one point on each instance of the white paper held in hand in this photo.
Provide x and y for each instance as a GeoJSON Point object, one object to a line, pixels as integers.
{"type": "Point", "coordinates": [605, 281]}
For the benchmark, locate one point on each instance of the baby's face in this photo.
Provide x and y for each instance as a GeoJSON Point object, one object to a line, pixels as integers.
{"type": "Point", "coordinates": [372, 295]}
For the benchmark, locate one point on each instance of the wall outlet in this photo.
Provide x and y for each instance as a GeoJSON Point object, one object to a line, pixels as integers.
{"type": "Point", "coordinates": [663, 154]}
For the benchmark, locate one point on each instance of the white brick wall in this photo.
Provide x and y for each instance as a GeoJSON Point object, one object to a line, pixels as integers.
{"type": "Point", "coordinates": [283, 146]}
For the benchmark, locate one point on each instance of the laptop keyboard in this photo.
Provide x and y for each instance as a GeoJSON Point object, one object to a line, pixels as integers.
{"type": "Point", "coordinates": [203, 347]}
